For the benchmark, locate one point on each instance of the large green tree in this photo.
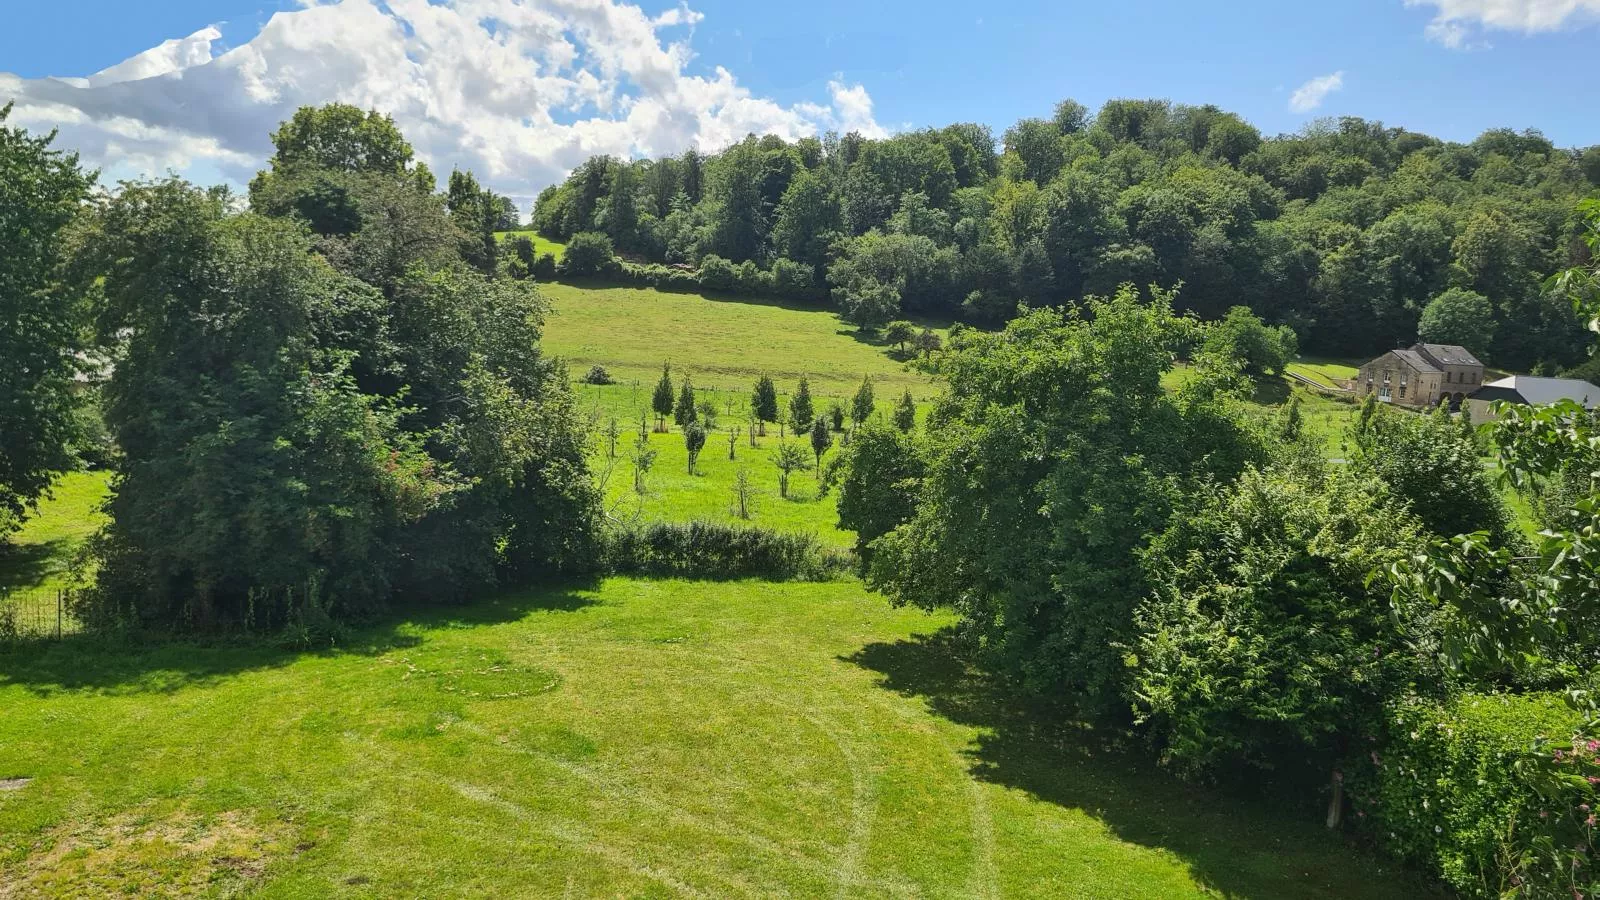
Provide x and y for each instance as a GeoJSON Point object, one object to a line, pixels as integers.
{"type": "Point", "coordinates": [41, 314]}
{"type": "Point", "coordinates": [1057, 451]}
{"type": "Point", "coordinates": [1459, 316]}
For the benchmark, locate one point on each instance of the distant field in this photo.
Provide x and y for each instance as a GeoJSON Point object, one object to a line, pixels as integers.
{"type": "Point", "coordinates": [541, 244]}
{"type": "Point", "coordinates": [722, 343]}
{"type": "Point", "coordinates": [673, 495]}
{"type": "Point", "coordinates": [1329, 373]}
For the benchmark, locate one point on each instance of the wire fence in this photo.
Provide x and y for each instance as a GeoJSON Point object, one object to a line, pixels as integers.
{"type": "Point", "coordinates": [36, 614]}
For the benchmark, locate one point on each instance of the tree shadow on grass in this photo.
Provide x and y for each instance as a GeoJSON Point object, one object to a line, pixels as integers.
{"type": "Point", "coordinates": [126, 664]}
{"type": "Point", "coordinates": [28, 565]}
{"type": "Point", "coordinates": [1239, 847]}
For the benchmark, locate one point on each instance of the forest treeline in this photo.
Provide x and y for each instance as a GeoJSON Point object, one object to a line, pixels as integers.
{"type": "Point", "coordinates": [1345, 232]}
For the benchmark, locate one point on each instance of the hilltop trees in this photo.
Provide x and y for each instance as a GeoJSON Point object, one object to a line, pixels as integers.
{"type": "Point", "coordinates": [1343, 231]}
{"type": "Point", "coordinates": [1459, 316]}
{"type": "Point", "coordinates": [42, 312]}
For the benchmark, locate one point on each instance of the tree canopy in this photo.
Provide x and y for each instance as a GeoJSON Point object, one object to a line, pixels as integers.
{"type": "Point", "coordinates": [1345, 231]}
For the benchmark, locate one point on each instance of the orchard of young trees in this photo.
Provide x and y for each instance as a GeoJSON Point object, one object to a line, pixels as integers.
{"type": "Point", "coordinates": [1347, 232]}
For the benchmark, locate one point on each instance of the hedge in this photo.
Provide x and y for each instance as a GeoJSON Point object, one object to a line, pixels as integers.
{"type": "Point", "coordinates": [716, 551]}
{"type": "Point", "coordinates": [1493, 794]}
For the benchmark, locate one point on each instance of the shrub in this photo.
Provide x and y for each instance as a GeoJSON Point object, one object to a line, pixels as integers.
{"type": "Point", "coordinates": [590, 253]}
{"type": "Point", "coordinates": [717, 274]}
{"type": "Point", "coordinates": [1487, 793]}
{"type": "Point", "coordinates": [753, 280]}
{"type": "Point", "coordinates": [716, 551]}
{"type": "Point", "coordinates": [598, 375]}
{"type": "Point", "coordinates": [544, 267]}
{"type": "Point", "coordinates": [794, 280]}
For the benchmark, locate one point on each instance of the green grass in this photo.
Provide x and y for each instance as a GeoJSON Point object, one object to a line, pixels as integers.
{"type": "Point", "coordinates": [37, 557]}
{"type": "Point", "coordinates": [625, 738]}
{"type": "Point", "coordinates": [723, 343]}
{"type": "Point", "coordinates": [672, 494]}
{"type": "Point", "coordinates": [34, 561]}
{"type": "Point", "coordinates": [1326, 372]}
{"type": "Point", "coordinates": [541, 244]}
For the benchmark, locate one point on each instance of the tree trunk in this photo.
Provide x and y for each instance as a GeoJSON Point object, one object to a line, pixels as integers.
{"type": "Point", "coordinates": [1336, 802]}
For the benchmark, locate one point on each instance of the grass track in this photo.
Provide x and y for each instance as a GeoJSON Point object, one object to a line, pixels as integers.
{"type": "Point", "coordinates": [637, 738]}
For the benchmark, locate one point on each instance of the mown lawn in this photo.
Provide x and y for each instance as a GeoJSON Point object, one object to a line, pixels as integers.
{"type": "Point", "coordinates": [722, 343]}
{"type": "Point", "coordinates": [37, 556]}
{"type": "Point", "coordinates": [622, 738]}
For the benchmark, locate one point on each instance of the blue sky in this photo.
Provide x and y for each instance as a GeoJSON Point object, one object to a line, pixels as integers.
{"type": "Point", "coordinates": [1484, 63]}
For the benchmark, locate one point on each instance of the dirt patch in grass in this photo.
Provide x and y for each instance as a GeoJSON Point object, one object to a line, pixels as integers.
{"type": "Point", "coordinates": [147, 854]}
{"type": "Point", "coordinates": [476, 673]}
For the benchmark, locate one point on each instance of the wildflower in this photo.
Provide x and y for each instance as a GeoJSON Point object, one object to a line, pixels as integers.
{"type": "Point", "coordinates": [1589, 821]}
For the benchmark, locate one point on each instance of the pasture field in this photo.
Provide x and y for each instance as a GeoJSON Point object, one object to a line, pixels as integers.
{"type": "Point", "coordinates": [1326, 372]}
{"type": "Point", "coordinates": [673, 494]}
{"type": "Point", "coordinates": [541, 244]}
{"type": "Point", "coordinates": [722, 343]}
{"type": "Point", "coordinates": [618, 738]}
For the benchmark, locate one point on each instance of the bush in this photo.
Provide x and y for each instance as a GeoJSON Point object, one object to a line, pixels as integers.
{"type": "Point", "coordinates": [715, 551]}
{"type": "Point", "coordinates": [753, 280]}
{"type": "Point", "coordinates": [590, 253]}
{"type": "Point", "coordinates": [544, 267]}
{"type": "Point", "coordinates": [794, 280]}
{"type": "Point", "coordinates": [598, 375]}
{"type": "Point", "coordinates": [717, 274]}
{"type": "Point", "coordinates": [1485, 792]}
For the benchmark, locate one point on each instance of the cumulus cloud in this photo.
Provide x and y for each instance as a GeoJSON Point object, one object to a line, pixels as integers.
{"type": "Point", "coordinates": [520, 91]}
{"type": "Point", "coordinates": [1457, 23]}
{"type": "Point", "coordinates": [1310, 95]}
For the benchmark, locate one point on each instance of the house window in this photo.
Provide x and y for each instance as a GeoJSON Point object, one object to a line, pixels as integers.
{"type": "Point", "coordinates": [1402, 390]}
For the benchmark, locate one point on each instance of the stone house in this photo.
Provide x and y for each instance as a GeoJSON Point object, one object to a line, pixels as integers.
{"type": "Point", "coordinates": [1421, 376]}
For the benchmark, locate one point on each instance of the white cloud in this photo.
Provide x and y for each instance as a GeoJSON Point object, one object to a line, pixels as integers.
{"type": "Point", "coordinates": [1456, 22]}
{"type": "Point", "coordinates": [520, 91]}
{"type": "Point", "coordinates": [1310, 95]}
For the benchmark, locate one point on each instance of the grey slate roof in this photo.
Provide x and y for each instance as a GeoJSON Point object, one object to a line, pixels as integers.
{"type": "Point", "coordinates": [1539, 391]}
{"type": "Point", "coordinates": [1448, 354]}
{"type": "Point", "coordinates": [1416, 361]}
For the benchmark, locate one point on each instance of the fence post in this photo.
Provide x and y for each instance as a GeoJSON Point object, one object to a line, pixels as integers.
{"type": "Point", "coordinates": [58, 614]}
